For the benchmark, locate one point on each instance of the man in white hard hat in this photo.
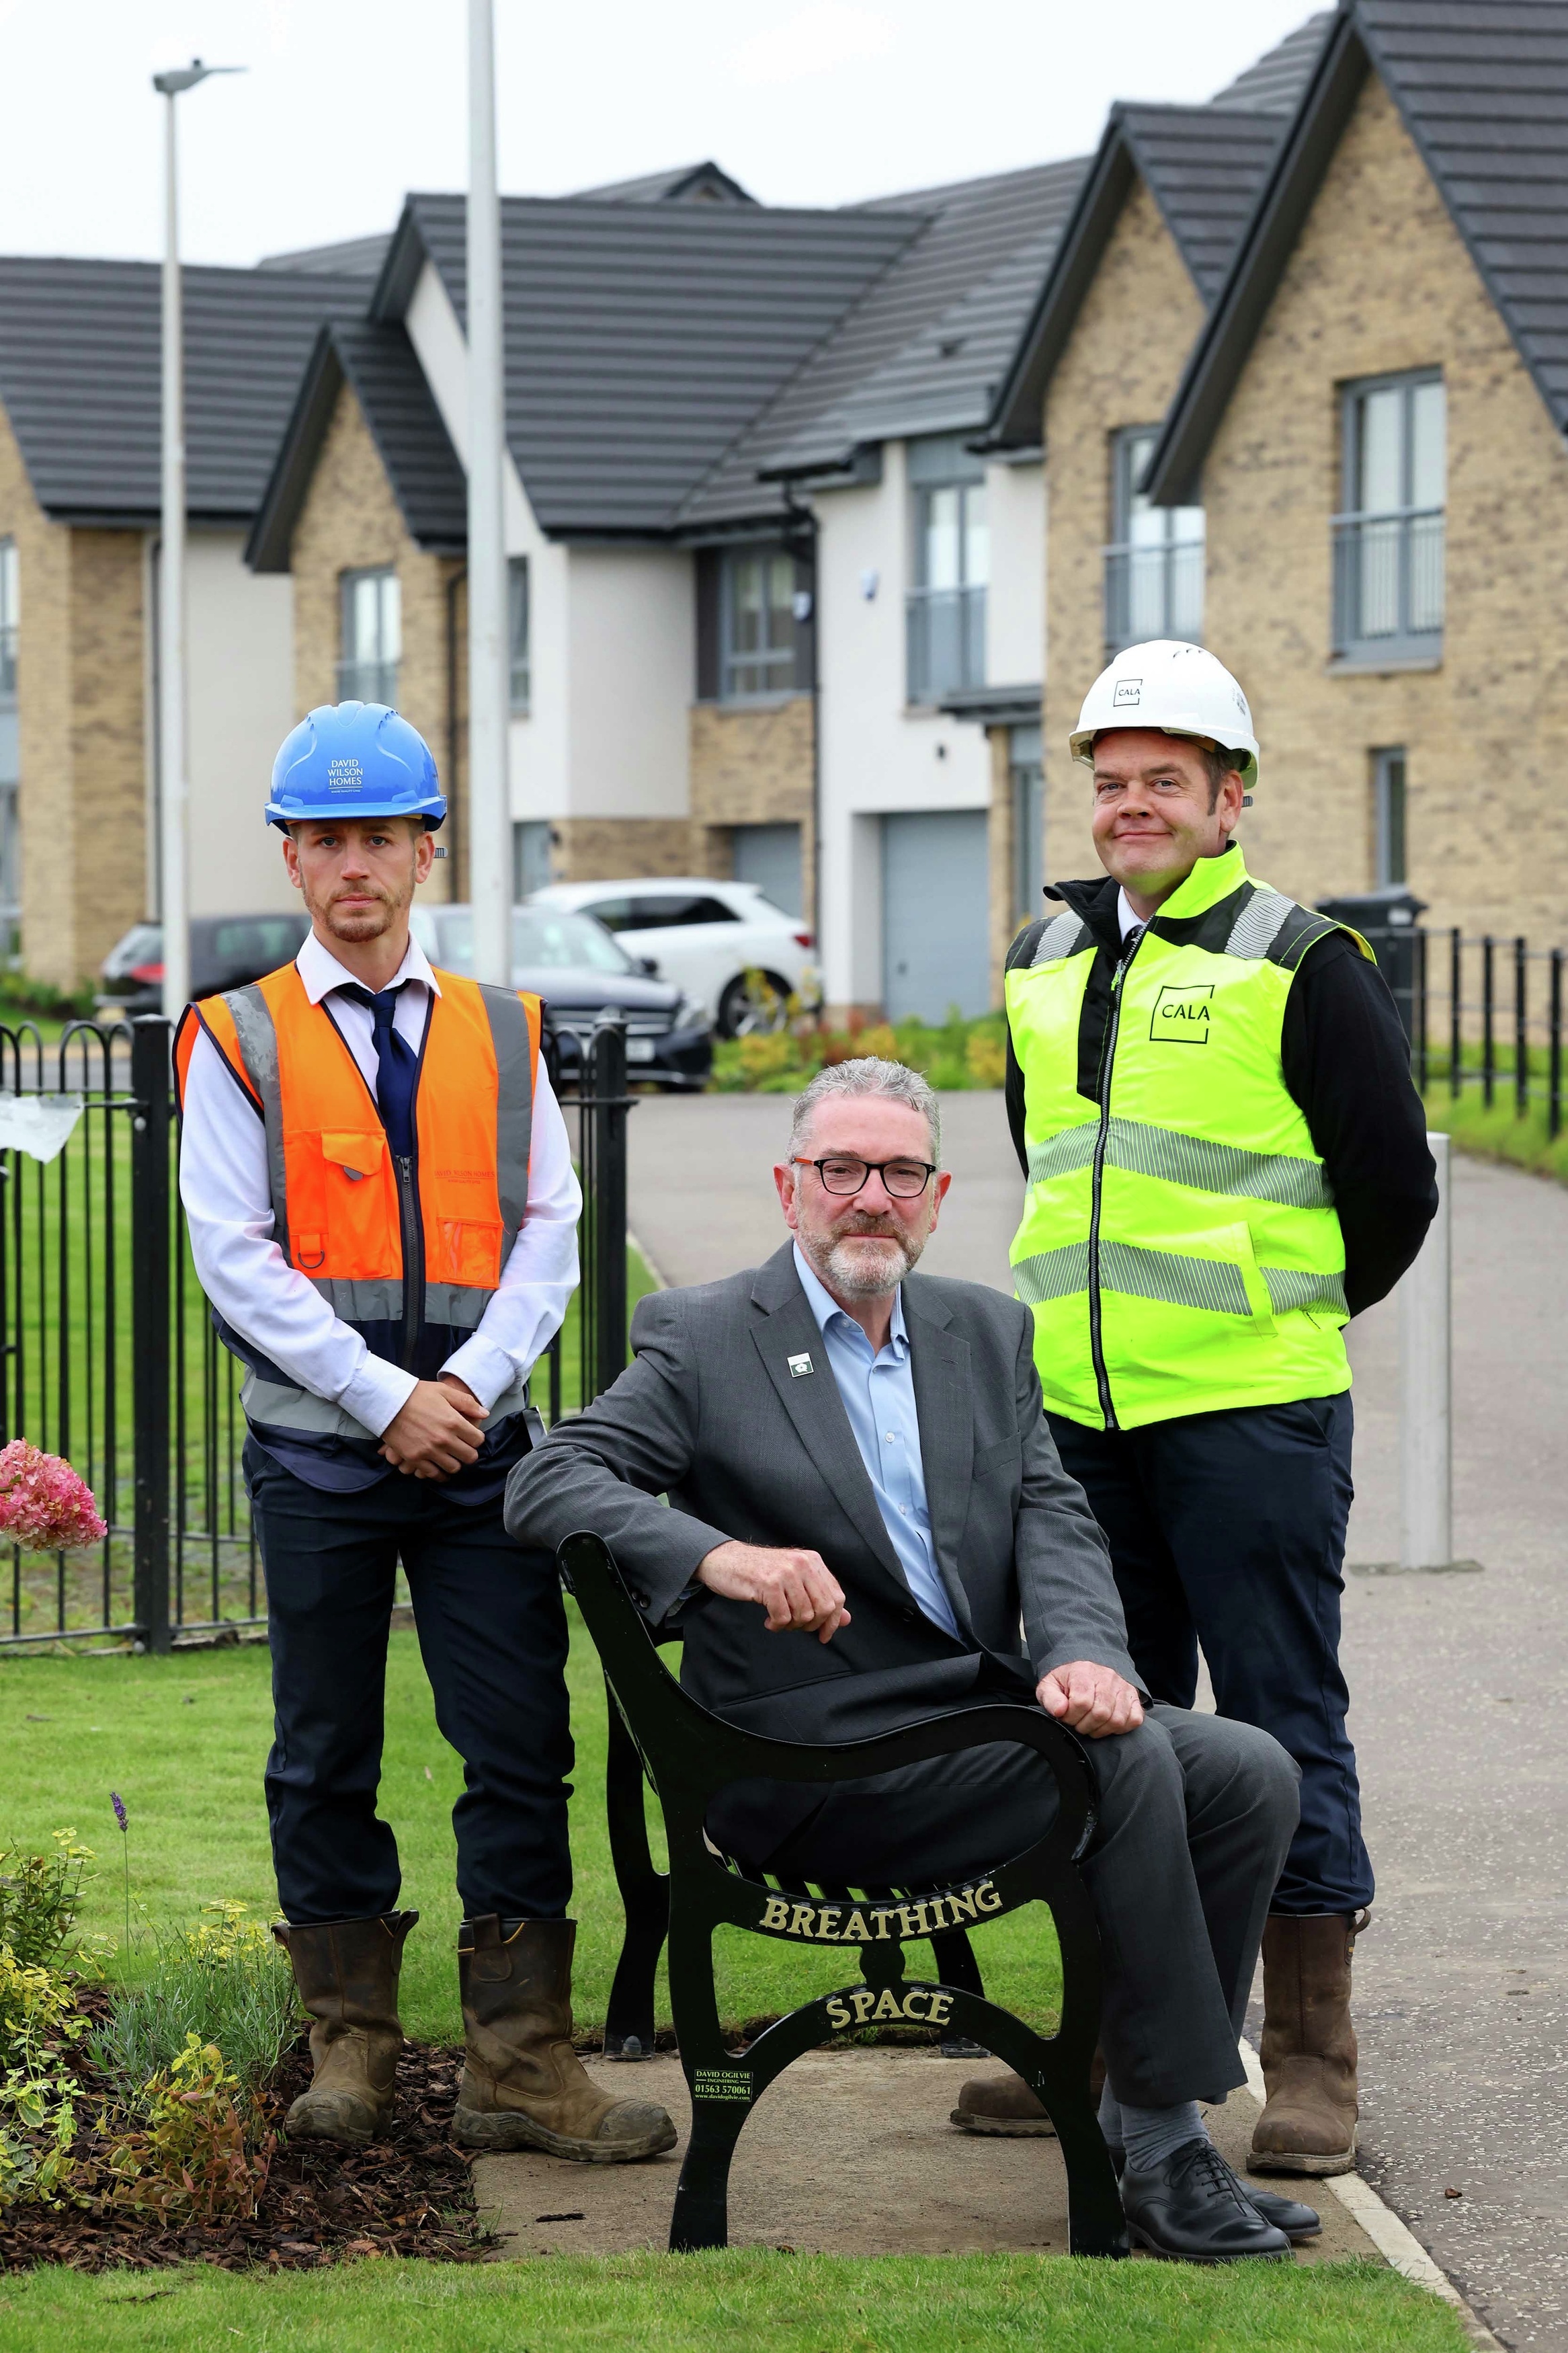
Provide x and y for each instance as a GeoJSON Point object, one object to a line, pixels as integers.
{"type": "Point", "coordinates": [1209, 1091]}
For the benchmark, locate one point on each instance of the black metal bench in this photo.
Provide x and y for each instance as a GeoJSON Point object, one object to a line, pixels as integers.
{"type": "Point", "coordinates": [689, 1755]}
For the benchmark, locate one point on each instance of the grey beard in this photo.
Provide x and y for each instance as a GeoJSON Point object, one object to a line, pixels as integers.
{"type": "Point", "coordinates": [857, 1276]}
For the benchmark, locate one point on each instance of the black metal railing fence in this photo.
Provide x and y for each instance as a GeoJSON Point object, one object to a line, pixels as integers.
{"type": "Point", "coordinates": [108, 1354]}
{"type": "Point", "coordinates": [1481, 1011]}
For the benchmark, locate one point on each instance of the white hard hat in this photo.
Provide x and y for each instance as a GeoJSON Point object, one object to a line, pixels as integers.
{"type": "Point", "coordinates": [1178, 689]}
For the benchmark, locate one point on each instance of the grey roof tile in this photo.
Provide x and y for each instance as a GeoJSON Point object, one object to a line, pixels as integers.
{"type": "Point", "coordinates": [81, 380]}
{"type": "Point", "coordinates": [1275, 84]}
{"type": "Point", "coordinates": [354, 257]}
{"type": "Point", "coordinates": [1482, 88]}
{"type": "Point", "coordinates": [642, 338]}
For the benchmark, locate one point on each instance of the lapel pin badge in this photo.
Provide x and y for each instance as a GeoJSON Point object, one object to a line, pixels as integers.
{"type": "Point", "coordinates": [799, 1366]}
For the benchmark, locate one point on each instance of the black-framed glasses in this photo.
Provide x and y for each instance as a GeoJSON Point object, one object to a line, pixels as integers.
{"type": "Point", "coordinates": [903, 1180]}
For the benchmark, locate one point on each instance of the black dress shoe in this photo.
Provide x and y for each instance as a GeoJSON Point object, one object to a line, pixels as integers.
{"type": "Point", "coordinates": [1286, 2214]}
{"type": "Point", "coordinates": [1193, 2209]}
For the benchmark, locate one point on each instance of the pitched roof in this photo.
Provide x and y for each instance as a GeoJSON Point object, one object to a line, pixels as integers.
{"type": "Point", "coordinates": [919, 353]}
{"type": "Point", "coordinates": [1204, 166]}
{"type": "Point", "coordinates": [81, 377]}
{"type": "Point", "coordinates": [926, 351]}
{"type": "Point", "coordinates": [641, 339]}
{"type": "Point", "coordinates": [354, 257]}
{"type": "Point", "coordinates": [1482, 89]}
{"type": "Point", "coordinates": [687, 183]}
{"type": "Point", "coordinates": [378, 362]}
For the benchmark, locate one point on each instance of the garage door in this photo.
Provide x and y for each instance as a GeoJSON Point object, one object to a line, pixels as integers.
{"type": "Point", "coordinates": [936, 904]}
{"type": "Point", "coordinates": [769, 856]}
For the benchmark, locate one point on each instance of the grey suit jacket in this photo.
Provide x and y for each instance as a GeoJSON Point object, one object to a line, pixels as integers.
{"type": "Point", "coordinates": [709, 1414]}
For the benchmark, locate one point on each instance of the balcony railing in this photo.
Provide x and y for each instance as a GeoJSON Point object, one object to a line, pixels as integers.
{"type": "Point", "coordinates": [946, 641]}
{"type": "Point", "coordinates": [1388, 581]}
{"type": "Point", "coordinates": [1153, 592]}
{"type": "Point", "coordinates": [368, 681]}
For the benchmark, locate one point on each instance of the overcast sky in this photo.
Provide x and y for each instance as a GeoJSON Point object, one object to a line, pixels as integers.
{"type": "Point", "coordinates": [347, 103]}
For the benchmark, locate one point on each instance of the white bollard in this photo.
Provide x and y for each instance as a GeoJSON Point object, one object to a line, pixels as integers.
{"type": "Point", "coordinates": [1425, 1452]}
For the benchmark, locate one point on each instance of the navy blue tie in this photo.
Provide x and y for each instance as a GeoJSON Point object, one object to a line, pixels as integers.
{"type": "Point", "coordinates": [397, 1068]}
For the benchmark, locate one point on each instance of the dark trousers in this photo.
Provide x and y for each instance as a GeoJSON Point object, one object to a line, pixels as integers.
{"type": "Point", "coordinates": [1193, 1819]}
{"type": "Point", "coordinates": [493, 1634]}
{"type": "Point", "coordinates": [1229, 1530]}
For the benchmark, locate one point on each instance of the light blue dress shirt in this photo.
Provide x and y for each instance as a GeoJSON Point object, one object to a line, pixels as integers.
{"type": "Point", "coordinates": [879, 1394]}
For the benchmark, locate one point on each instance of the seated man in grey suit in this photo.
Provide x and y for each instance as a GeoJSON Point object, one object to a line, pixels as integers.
{"type": "Point", "coordinates": [868, 1524]}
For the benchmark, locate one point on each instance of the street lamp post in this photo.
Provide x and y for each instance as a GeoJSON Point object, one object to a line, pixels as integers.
{"type": "Point", "coordinates": [173, 785]}
{"type": "Point", "coordinates": [490, 799]}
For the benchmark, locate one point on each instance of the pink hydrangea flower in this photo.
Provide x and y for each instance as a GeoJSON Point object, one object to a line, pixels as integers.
{"type": "Point", "coordinates": [44, 1505]}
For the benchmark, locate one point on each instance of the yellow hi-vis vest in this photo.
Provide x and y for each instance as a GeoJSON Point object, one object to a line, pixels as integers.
{"type": "Point", "coordinates": [1179, 1245]}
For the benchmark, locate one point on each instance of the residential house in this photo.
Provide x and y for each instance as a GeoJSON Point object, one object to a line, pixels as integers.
{"type": "Point", "coordinates": [80, 495]}
{"type": "Point", "coordinates": [1369, 413]}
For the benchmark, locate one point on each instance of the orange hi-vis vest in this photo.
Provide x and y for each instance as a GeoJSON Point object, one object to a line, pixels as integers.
{"type": "Point", "coordinates": [409, 1253]}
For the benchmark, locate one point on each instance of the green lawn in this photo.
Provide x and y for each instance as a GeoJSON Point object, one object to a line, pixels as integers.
{"type": "Point", "coordinates": [184, 1740]}
{"type": "Point", "coordinates": [1499, 1134]}
{"type": "Point", "coordinates": [794, 2304]}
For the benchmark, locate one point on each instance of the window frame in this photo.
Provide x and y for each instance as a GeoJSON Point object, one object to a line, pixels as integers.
{"type": "Point", "coordinates": [519, 636]}
{"type": "Point", "coordinates": [786, 656]}
{"type": "Point", "coordinates": [10, 619]}
{"type": "Point", "coordinates": [1351, 643]}
{"type": "Point", "coordinates": [1121, 627]}
{"type": "Point", "coordinates": [354, 667]}
{"type": "Point", "coordinates": [1390, 815]}
{"type": "Point", "coordinates": [940, 466]}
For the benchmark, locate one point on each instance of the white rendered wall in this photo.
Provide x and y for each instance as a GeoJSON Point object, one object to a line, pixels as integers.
{"type": "Point", "coordinates": [539, 763]}
{"type": "Point", "coordinates": [239, 637]}
{"type": "Point", "coordinates": [878, 756]}
{"type": "Point", "coordinates": [1016, 603]}
{"type": "Point", "coordinates": [632, 663]}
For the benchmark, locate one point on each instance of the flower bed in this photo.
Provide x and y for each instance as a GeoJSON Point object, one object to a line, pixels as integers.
{"type": "Point", "coordinates": [957, 1055]}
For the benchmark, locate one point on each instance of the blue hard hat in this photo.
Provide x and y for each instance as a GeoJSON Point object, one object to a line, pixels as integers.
{"type": "Point", "coordinates": [354, 759]}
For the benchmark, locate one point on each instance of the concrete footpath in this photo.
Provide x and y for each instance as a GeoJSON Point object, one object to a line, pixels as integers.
{"type": "Point", "coordinates": [1459, 1686]}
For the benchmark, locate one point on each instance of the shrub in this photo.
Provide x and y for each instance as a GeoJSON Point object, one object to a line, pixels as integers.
{"type": "Point", "coordinates": [189, 2156]}
{"type": "Point", "coordinates": [21, 996]}
{"type": "Point", "coordinates": [224, 1981]}
{"type": "Point", "coordinates": [986, 1059]}
{"type": "Point", "coordinates": [40, 1897]}
{"type": "Point", "coordinates": [38, 2090]}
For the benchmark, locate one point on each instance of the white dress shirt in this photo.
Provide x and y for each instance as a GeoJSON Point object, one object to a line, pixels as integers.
{"type": "Point", "coordinates": [228, 1209]}
{"type": "Point", "coordinates": [878, 1387]}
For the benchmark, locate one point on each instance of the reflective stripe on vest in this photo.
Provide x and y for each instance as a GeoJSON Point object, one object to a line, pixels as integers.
{"type": "Point", "coordinates": [341, 1202]}
{"type": "Point", "coordinates": [1179, 1245]}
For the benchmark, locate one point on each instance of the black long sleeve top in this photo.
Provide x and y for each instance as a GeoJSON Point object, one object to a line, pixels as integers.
{"type": "Point", "coordinates": [1347, 1065]}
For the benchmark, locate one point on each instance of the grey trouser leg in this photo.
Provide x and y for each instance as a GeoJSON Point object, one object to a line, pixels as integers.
{"type": "Point", "coordinates": [1196, 1816]}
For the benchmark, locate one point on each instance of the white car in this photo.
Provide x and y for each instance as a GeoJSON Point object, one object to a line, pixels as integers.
{"type": "Point", "coordinates": [723, 943]}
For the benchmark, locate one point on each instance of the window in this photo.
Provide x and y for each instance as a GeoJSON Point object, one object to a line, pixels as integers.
{"type": "Point", "coordinates": [372, 637]}
{"type": "Point", "coordinates": [1388, 814]}
{"type": "Point", "coordinates": [1388, 540]}
{"type": "Point", "coordinates": [530, 857]}
{"type": "Point", "coordinates": [760, 613]}
{"type": "Point", "coordinates": [1026, 774]}
{"type": "Point", "coordinates": [946, 610]}
{"type": "Point", "coordinates": [517, 634]}
{"type": "Point", "coordinates": [660, 912]}
{"type": "Point", "coordinates": [10, 760]}
{"type": "Point", "coordinates": [1154, 563]}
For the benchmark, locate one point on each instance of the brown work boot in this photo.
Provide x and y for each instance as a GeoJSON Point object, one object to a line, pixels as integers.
{"type": "Point", "coordinates": [524, 2086]}
{"type": "Point", "coordinates": [1003, 2105]}
{"type": "Point", "coordinates": [1309, 2124]}
{"type": "Point", "coordinates": [346, 1972]}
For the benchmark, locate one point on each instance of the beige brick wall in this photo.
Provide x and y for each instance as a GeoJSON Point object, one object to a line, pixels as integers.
{"type": "Point", "coordinates": [1004, 917]}
{"type": "Point", "coordinates": [602, 849]}
{"type": "Point", "coordinates": [1380, 281]}
{"type": "Point", "coordinates": [1120, 367]}
{"type": "Point", "coordinates": [349, 521]}
{"type": "Point", "coordinates": [750, 767]}
{"type": "Point", "coordinates": [82, 703]}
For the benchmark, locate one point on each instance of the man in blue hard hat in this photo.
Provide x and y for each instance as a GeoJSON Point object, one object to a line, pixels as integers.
{"type": "Point", "coordinates": [383, 1213]}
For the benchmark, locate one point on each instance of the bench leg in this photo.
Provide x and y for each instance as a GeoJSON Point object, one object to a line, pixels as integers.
{"type": "Point", "coordinates": [956, 1966]}
{"type": "Point", "coordinates": [644, 1899]}
{"type": "Point", "coordinates": [702, 2215]}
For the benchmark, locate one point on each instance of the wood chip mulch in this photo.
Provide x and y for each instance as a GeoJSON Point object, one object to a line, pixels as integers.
{"type": "Point", "coordinates": [411, 2194]}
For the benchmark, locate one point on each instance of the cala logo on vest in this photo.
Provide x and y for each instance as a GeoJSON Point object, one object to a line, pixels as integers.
{"type": "Point", "coordinates": [1182, 1015]}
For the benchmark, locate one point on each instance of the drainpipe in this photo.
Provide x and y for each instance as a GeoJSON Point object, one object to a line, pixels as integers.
{"type": "Point", "coordinates": [454, 819]}
{"type": "Point", "coordinates": [804, 519]}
